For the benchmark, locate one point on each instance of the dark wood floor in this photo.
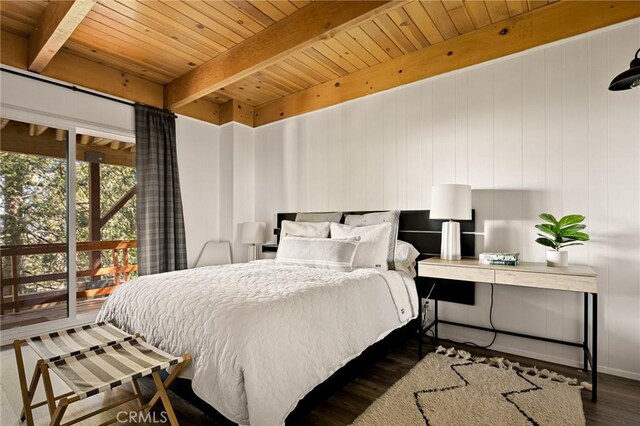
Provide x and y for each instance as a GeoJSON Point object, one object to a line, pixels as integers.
{"type": "Point", "coordinates": [350, 392]}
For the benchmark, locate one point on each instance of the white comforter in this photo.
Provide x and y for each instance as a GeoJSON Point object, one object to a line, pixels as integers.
{"type": "Point", "coordinates": [262, 335]}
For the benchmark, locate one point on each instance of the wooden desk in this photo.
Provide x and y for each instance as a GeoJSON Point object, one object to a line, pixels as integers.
{"type": "Point", "coordinates": [575, 278]}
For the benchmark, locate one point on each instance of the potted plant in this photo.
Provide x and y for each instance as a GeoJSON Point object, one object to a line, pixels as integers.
{"type": "Point", "coordinates": [557, 234]}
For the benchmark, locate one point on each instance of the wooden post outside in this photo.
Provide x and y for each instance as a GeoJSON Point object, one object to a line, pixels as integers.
{"type": "Point", "coordinates": [95, 224]}
{"type": "Point", "coordinates": [125, 262]}
{"type": "Point", "coordinates": [116, 275]}
{"type": "Point", "coordinates": [14, 274]}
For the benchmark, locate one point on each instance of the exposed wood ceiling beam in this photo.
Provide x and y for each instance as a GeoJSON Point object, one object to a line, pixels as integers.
{"type": "Point", "coordinates": [315, 22]}
{"type": "Point", "coordinates": [236, 111]}
{"type": "Point", "coordinates": [83, 72]}
{"type": "Point", "coordinates": [58, 20]}
{"type": "Point", "coordinates": [541, 26]}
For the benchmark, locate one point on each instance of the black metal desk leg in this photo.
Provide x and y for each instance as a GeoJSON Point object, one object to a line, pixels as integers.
{"type": "Point", "coordinates": [420, 327]}
{"type": "Point", "coordinates": [594, 347]}
{"type": "Point", "coordinates": [435, 311]}
{"type": "Point", "coordinates": [585, 333]}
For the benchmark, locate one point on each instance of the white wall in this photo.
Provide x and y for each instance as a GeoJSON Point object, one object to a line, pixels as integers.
{"type": "Point", "coordinates": [534, 132]}
{"type": "Point", "coordinates": [198, 148]}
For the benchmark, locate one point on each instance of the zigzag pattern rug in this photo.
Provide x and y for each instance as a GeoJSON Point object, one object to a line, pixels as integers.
{"type": "Point", "coordinates": [451, 388]}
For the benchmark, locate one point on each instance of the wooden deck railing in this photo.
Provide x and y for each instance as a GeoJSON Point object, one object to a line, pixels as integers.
{"type": "Point", "coordinates": [12, 278]}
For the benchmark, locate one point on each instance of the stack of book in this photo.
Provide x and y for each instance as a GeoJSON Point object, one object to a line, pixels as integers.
{"type": "Point", "coordinates": [512, 259]}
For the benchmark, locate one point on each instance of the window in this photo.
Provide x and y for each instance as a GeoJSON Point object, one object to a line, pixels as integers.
{"type": "Point", "coordinates": [36, 179]}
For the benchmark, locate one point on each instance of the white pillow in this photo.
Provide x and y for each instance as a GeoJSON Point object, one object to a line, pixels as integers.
{"type": "Point", "coordinates": [374, 242]}
{"type": "Point", "coordinates": [323, 253]}
{"type": "Point", "coordinates": [392, 216]}
{"type": "Point", "coordinates": [405, 254]}
{"type": "Point", "coordinates": [305, 229]}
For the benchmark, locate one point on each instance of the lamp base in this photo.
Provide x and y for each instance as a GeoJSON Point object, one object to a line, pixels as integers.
{"type": "Point", "coordinates": [253, 253]}
{"type": "Point", "coordinates": [450, 247]}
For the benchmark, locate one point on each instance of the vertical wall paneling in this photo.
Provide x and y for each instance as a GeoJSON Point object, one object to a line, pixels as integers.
{"type": "Point", "coordinates": [534, 132]}
{"type": "Point", "coordinates": [623, 193]}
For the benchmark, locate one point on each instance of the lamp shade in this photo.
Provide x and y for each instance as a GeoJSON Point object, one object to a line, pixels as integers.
{"type": "Point", "coordinates": [450, 201]}
{"type": "Point", "coordinates": [628, 79]}
{"type": "Point", "coordinates": [253, 232]}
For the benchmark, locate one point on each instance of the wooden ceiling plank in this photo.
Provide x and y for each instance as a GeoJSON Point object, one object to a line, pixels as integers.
{"type": "Point", "coordinates": [517, 7]}
{"type": "Point", "coordinates": [55, 26]}
{"type": "Point", "coordinates": [16, 27]}
{"type": "Point", "coordinates": [392, 31]}
{"type": "Point", "coordinates": [459, 15]}
{"type": "Point", "coordinates": [278, 86]}
{"type": "Point", "coordinates": [26, 21]}
{"type": "Point", "coordinates": [478, 13]}
{"type": "Point", "coordinates": [541, 26]}
{"type": "Point", "coordinates": [236, 15]}
{"type": "Point", "coordinates": [282, 70]}
{"type": "Point", "coordinates": [350, 43]}
{"type": "Point", "coordinates": [253, 12]}
{"type": "Point", "coordinates": [334, 57]}
{"type": "Point", "coordinates": [274, 74]}
{"type": "Point", "coordinates": [171, 10]}
{"type": "Point", "coordinates": [228, 38]}
{"type": "Point", "coordinates": [143, 57]}
{"type": "Point", "coordinates": [369, 44]}
{"type": "Point", "coordinates": [216, 15]}
{"type": "Point", "coordinates": [313, 23]}
{"type": "Point", "coordinates": [345, 53]}
{"type": "Point", "coordinates": [143, 45]}
{"type": "Point", "coordinates": [315, 65]}
{"type": "Point", "coordinates": [262, 86]}
{"type": "Point", "coordinates": [409, 28]}
{"type": "Point", "coordinates": [186, 26]}
{"type": "Point", "coordinates": [268, 9]}
{"type": "Point", "coordinates": [95, 55]}
{"type": "Point", "coordinates": [424, 22]}
{"type": "Point", "coordinates": [441, 18]}
{"type": "Point", "coordinates": [295, 63]}
{"type": "Point", "coordinates": [300, 3]}
{"type": "Point", "coordinates": [136, 29]}
{"type": "Point", "coordinates": [134, 18]}
{"type": "Point", "coordinates": [285, 64]}
{"type": "Point", "coordinates": [285, 6]}
{"type": "Point", "coordinates": [3, 123]}
{"type": "Point", "coordinates": [26, 12]}
{"type": "Point", "coordinates": [498, 10]}
{"type": "Point", "coordinates": [374, 31]}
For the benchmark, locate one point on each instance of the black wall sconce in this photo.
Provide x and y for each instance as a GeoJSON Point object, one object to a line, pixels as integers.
{"type": "Point", "coordinates": [628, 79]}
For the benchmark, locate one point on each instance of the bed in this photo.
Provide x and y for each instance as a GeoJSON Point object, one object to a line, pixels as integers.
{"type": "Point", "coordinates": [262, 334]}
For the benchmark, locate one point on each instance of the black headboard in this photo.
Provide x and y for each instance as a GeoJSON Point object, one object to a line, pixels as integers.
{"type": "Point", "coordinates": [425, 235]}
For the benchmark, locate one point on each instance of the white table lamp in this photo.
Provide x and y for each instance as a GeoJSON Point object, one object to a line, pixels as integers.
{"type": "Point", "coordinates": [253, 234]}
{"type": "Point", "coordinates": [450, 202]}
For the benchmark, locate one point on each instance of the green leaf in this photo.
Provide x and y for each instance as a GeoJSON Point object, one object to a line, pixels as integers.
{"type": "Point", "coordinates": [547, 242]}
{"type": "Point", "coordinates": [570, 229]}
{"type": "Point", "coordinates": [571, 219]}
{"type": "Point", "coordinates": [547, 229]}
{"type": "Point", "coordinates": [579, 236]}
{"type": "Point", "coordinates": [549, 218]}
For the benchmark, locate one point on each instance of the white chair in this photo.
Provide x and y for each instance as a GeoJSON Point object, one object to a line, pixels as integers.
{"type": "Point", "coordinates": [214, 253]}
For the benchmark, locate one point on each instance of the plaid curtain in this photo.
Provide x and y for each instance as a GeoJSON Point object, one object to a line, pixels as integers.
{"type": "Point", "coordinates": [160, 222]}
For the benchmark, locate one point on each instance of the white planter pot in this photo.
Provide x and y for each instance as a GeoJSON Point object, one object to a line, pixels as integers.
{"type": "Point", "coordinates": [557, 258]}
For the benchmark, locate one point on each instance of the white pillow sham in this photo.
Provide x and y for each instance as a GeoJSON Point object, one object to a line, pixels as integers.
{"type": "Point", "coordinates": [374, 242]}
{"type": "Point", "coordinates": [322, 253]}
{"type": "Point", "coordinates": [405, 256]}
{"type": "Point", "coordinates": [305, 229]}
{"type": "Point", "coordinates": [392, 216]}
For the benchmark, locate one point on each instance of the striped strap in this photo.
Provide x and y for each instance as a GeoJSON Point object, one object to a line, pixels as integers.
{"type": "Point", "coordinates": [96, 371]}
{"type": "Point", "coordinates": [74, 341]}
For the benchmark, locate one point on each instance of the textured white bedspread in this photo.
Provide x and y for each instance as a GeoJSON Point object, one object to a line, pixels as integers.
{"type": "Point", "coordinates": [262, 335]}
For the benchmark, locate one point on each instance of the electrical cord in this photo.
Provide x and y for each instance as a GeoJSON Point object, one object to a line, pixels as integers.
{"type": "Point", "coordinates": [495, 332]}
